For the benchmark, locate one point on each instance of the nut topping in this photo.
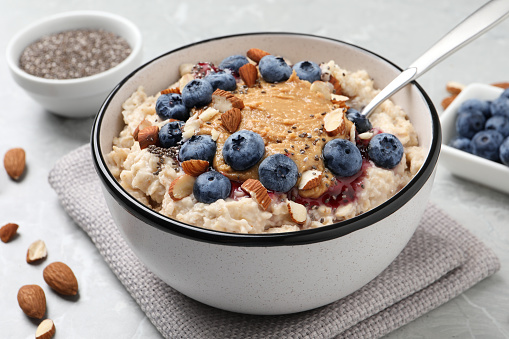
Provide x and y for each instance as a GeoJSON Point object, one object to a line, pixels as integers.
{"type": "Point", "coordinates": [224, 101]}
{"type": "Point", "coordinates": [334, 123]}
{"type": "Point", "coordinates": [195, 167]}
{"type": "Point", "coordinates": [148, 136]}
{"type": "Point", "coordinates": [231, 119]}
{"type": "Point", "coordinates": [249, 74]}
{"type": "Point", "coordinates": [181, 187]}
{"type": "Point", "coordinates": [310, 179]}
{"type": "Point", "coordinates": [256, 54]}
{"type": "Point", "coordinates": [298, 213]}
{"type": "Point", "coordinates": [257, 192]}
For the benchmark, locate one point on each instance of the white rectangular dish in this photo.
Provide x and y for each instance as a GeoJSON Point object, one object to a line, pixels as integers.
{"type": "Point", "coordinates": [463, 164]}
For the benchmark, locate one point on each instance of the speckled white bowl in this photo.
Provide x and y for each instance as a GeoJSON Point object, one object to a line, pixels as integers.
{"type": "Point", "coordinates": [268, 273]}
{"type": "Point", "coordinates": [463, 164]}
{"type": "Point", "coordinates": [80, 97]}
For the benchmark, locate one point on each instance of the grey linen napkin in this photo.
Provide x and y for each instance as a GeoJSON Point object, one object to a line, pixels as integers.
{"type": "Point", "coordinates": [441, 261]}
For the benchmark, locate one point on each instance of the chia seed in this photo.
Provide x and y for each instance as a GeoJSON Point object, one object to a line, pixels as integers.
{"type": "Point", "coordinates": [74, 54]}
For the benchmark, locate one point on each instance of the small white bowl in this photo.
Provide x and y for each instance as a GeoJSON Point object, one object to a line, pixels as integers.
{"type": "Point", "coordinates": [464, 164]}
{"type": "Point", "coordinates": [80, 97]}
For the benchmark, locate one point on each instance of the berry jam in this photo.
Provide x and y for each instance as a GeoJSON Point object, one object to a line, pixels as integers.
{"type": "Point", "coordinates": [202, 69]}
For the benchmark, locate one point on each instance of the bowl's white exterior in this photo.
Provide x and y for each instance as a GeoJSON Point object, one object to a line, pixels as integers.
{"type": "Point", "coordinates": [74, 97]}
{"type": "Point", "coordinates": [268, 279]}
{"type": "Point", "coordinates": [463, 164]}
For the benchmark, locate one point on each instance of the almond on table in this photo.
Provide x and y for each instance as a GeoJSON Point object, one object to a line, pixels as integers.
{"type": "Point", "coordinates": [8, 231]}
{"type": "Point", "coordinates": [14, 162]}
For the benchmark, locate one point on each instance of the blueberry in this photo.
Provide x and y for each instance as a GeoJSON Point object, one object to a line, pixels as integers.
{"type": "Point", "coordinates": [504, 152]}
{"type": "Point", "coordinates": [486, 143]}
{"type": "Point", "coordinates": [211, 186]}
{"type": "Point", "coordinates": [468, 124]}
{"type": "Point", "coordinates": [170, 106]}
{"type": "Point", "coordinates": [385, 150]}
{"type": "Point", "coordinates": [200, 147]}
{"type": "Point", "coordinates": [278, 173]}
{"type": "Point", "coordinates": [342, 157]}
{"type": "Point", "coordinates": [500, 106]}
{"type": "Point", "coordinates": [475, 105]}
{"type": "Point", "coordinates": [197, 93]}
{"type": "Point", "coordinates": [308, 70]}
{"type": "Point", "coordinates": [461, 144]}
{"type": "Point", "coordinates": [498, 123]}
{"type": "Point", "coordinates": [233, 63]}
{"type": "Point", "coordinates": [221, 80]}
{"type": "Point", "coordinates": [361, 122]}
{"type": "Point", "coordinates": [170, 134]}
{"type": "Point", "coordinates": [274, 69]}
{"type": "Point", "coordinates": [243, 150]}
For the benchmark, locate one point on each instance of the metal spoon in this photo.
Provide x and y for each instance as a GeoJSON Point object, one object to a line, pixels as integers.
{"type": "Point", "coordinates": [466, 31]}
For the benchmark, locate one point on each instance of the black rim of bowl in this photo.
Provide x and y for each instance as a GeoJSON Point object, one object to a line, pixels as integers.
{"type": "Point", "coordinates": [324, 233]}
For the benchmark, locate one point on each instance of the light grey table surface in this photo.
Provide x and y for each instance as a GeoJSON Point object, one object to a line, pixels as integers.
{"type": "Point", "coordinates": [398, 30]}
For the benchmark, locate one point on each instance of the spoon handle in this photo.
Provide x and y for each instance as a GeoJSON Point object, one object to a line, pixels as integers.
{"type": "Point", "coordinates": [469, 29]}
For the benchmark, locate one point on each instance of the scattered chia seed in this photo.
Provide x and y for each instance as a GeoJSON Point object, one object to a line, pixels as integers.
{"type": "Point", "coordinates": [302, 151]}
{"type": "Point", "coordinates": [74, 54]}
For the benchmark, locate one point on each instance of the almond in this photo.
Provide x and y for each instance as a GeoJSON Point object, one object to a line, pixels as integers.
{"type": "Point", "coordinates": [249, 74]}
{"type": "Point", "coordinates": [8, 231]}
{"type": "Point", "coordinates": [447, 101]}
{"type": "Point", "coordinates": [36, 251]}
{"type": "Point", "coordinates": [336, 84]}
{"type": "Point", "coordinates": [208, 114]}
{"type": "Point", "coordinates": [32, 300]}
{"type": "Point", "coordinates": [171, 90]}
{"type": "Point", "coordinates": [224, 101]}
{"type": "Point", "coordinates": [231, 119]}
{"type": "Point", "coordinates": [503, 85]}
{"type": "Point", "coordinates": [45, 330]}
{"type": "Point", "coordinates": [148, 136]}
{"type": "Point", "coordinates": [61, 278]}
{"type": "Point", "coordinates": [334, 123]}
{"type": "Point", "coordinates": [256, 54]}
{"type": "Point", "coordinates": [454, 87]}
{"type": "Point", "coordinates": [142, 125]}
{"type": "Point", "coordinates": [181, 187]}
{"type": "Point", "coordinates": [257, 192]}
{"type": "Point", "coordinates": [310, 179]}
{"type": "Point", "coordinates": [323, 88]}
{"type": "Point", "coordinates": [195, 167]}
{"type": "Point", "coordinates": [298, 212]}
{"type": "Point", "coordinates": [14, 162]}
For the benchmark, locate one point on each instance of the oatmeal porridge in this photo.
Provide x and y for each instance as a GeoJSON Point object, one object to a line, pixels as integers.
{"type": "Point", "coordinates": [255, 145]}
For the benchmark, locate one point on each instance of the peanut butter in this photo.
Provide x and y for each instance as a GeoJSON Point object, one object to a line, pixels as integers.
{"type": "Point", "coordinates": [289, 117]}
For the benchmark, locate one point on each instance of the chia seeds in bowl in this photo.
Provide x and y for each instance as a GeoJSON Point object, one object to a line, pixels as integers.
{"type": "Point", "coordinates": [74, 54]}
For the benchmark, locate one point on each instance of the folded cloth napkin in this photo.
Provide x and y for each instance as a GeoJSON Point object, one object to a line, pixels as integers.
{"type": "Point", "coordinates": [441, 261]}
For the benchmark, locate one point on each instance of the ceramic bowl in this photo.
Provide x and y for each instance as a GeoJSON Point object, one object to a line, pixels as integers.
{"type": "Point", "coordinates": [464, 164]}
{"type": "Point", "coordinates": [80, 97]}
{"type": "Point", "coordinates": [268, 273]}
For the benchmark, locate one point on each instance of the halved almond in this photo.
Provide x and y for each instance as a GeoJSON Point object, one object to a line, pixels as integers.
{"type": "Point", "coordinates": [45, 330]}
{"type": "Point", "coordinates": [181, 187]}
{"type": "Point", "coordinates": [310, 179]}
{"type": "Point", "coordinates": [249, 74]}
{"type": "Point", "coordinates": [447, 101]}
{"type": "Point", "coordinates": [208, 114]}
{"type": "Point", "coordinates": [454, 87]}
{"type": "Point", "coordinates": [256, 54]}
{"type": "Point", "coordinates": [336, 84]}
{"type": "Point", "coordinates": [36, 251]}
{"type": "Point", "coordinates": [334, 123]}
{"type": "Point", "coordinates": [225, 101]}
{"type": "Point", "coordinates": [144, 123]}
{"type": "Point", "coordinates": [257, 192]}
{"type": "Point", "coordinates": [231, 119]}
{"type": "Point", "coordinates": [323, 88]}
{"type": "Point", "coordinates": [195, 167]}
{"type": "Point", "coordinates": [171, 90]}
{"type": "Point", "coordinates": [148, 136]}
{"type": "Point", "coordinates": [298, 212]}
